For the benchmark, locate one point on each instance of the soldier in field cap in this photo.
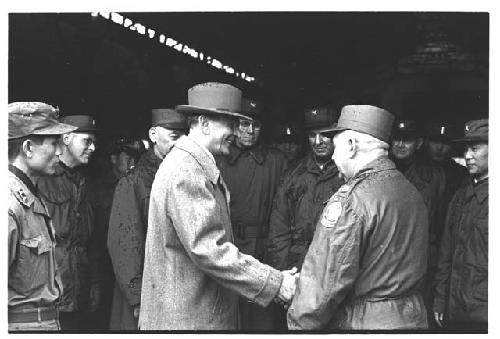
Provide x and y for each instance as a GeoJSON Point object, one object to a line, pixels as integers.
{"type": "Point", "coordinates": [461, 281]}
{"type": "Point", "coordinates": [67, 197]}
{"type": "Point", "coordinates": [129, 218]}
{"type": "Point", "coordinates": [193, 273]}
{"type": "Point", "coordinates": [34, 279]}
{"type": "Point", "coordinates": [367, 260]}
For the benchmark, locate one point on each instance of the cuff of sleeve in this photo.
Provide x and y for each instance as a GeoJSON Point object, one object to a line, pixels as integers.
{"type": "Point", "coordinates": [271, 287]}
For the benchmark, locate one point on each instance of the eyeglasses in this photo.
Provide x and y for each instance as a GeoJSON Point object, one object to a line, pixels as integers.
{"type": "Point", "coordinates": [244, 125]}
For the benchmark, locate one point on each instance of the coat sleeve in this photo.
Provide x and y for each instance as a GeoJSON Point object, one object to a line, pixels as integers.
{"type": "Point", "coordinates": [199, 223]}
{"type": "Point", "coordinates": [13, 237]}
{"type": "Point", "coordinates": [126, 240]}
{"type": "Point", "coordinates": [443, 271]}
{"type": "Point", "coordinates": [280, 234]}
{"type": "Point", "coordinates": [330, 268]}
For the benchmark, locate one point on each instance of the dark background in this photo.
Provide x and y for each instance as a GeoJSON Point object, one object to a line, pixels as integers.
{"type": "Point", "coordinates": [425, 66]}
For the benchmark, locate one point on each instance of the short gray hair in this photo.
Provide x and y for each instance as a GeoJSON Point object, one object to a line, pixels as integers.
{"type": "Point", "coordinates": [365, 142]}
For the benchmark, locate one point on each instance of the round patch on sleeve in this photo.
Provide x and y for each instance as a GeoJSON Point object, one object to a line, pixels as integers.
{"type": "Point", "coordinates": [331, 214]}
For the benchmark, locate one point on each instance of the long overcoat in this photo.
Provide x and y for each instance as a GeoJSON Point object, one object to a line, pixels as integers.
{"type": "Point", "coordinates": [193, 272]}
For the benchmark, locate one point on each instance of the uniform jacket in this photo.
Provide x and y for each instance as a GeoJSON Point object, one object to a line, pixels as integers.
{"type": "Point", "coordinates": [430, 180]}
{"type": "Point", "coordinates": [33, 276]}
{"type": "Point", "coordinates": [127, 237]}
{"type": "Point", "coordinates": [367, 260]}
{"type": "Point", "coordinates": [461, 282]}
{"type": "Point", "coordinates": [66, 197]}
{"type": "Point", "coordinates": [298, 204]}
{"type": "Point", "coordinates": [192, 270]}
{"type": "Point", "coordinates": [252, 176]}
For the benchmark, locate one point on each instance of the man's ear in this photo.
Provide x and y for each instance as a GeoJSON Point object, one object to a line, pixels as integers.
{"type": "Point", "coordinates": [153, 135]}
{"type": "Point", "coordinates": [66, 138]}
{"type": "Point", "coordinates": [204, 123]}
{"type": "Point", "coordinates": [352, 147]}
{"type": "Point", "coordinates": [27, 148]}
{"type": "Point", "coordinates": [113, 158]}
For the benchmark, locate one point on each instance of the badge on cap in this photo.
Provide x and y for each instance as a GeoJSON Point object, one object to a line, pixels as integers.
{"type": "Point", "coordinates": [401, 125]}
{"type": "Point", "coordinates": [288, 132]}
{"type": "Point", "coordinates": [315, 112]}
{"type": "Point", "coordinates": [331, 214]}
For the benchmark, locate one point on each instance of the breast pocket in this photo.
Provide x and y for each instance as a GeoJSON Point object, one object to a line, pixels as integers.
{"type": "Point", "coordinates": [33, 264]}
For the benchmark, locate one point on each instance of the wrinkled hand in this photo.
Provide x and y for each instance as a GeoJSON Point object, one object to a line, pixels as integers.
{"type": "Point", "coordinates": [439, 318]}
{"type": "Point", "coordinates": [95, 297]}
{"type": "Point", "coordinates": [137, 309]}
{"type": "Point", "coordinates": [287, 288]}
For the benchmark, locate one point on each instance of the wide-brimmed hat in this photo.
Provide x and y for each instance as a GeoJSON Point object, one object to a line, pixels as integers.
{"type": "Point", "coordinates": [34, 118]}
{"type": "Point", "coordinates": [368, 119]}
{"type": "Point", "coordinates": [475, 131]}
{"type": "Point", "coordinates": [168, 118]}
{"type": "Point", "coordinates": [84, 123]}
{"type": "Point", "coordinates": [213, 98]}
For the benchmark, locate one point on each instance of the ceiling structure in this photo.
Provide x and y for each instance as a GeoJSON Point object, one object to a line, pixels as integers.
{"type": "Point", "coordinates": [298, 58]}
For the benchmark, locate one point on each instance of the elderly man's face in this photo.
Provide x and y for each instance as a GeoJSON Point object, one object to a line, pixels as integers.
{"type": "Point", "coordinates": [476, 158]}
{"type": "Point", "coordinates": [341, 155]}
{"type": "Point", "coordinates": [221, 130]}
{"type": "Point", "coordinates": [438, 150]}
{"type": "Point", "coordinates": [80, 146]}
{"type": "Point", "coordinates": [321, 145]}
{"type": "Point", "coordinates": [164, 139]}
{"type": "Point", "coordinates": [248, 132]}
{"type": "Point", "coordinates": [404, 148]}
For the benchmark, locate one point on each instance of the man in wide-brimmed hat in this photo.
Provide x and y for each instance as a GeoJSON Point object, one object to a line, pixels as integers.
{"type": "Point", "coordinates": [302, 194]}
{"type": "Point", "coordinates": [252, 172]}
{"type": "Point", "coordinates": [193, 273]}
{"type": "Point", "coordinates": [461, 280]}
{"type": "Point", "coordinates": [365, 265]}
{"type": "Point", "coordinates": [68, 201]}
{"type": "Point", "coordinates": [129, 218]}
{"type": "Point", "coordinates": [34, 279]}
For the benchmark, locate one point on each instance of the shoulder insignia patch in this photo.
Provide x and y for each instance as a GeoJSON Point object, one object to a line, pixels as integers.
{"type": "Point", "coordinates": [344, 188]}
{"type": "Point", "coordinates": [331, 214]}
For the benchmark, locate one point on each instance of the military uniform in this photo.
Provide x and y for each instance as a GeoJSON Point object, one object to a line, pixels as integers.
{"type": "Point", "coordinates": [34, 280]}
{"type": "Point", "coordinates": [371, 243]}
{"type": "Point", "coordinates": [126, 239]}
{"type": "Point", "coordinates": [298, 203]}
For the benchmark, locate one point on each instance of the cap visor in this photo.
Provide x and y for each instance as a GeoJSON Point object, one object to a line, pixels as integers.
{"type": "Point", "coordinates": [471, 139]}
{"type": "Point", "coordinates": [330, 132]}
{"type": "Point", "coordinates": [57, 128]}
{"type": "Point", "coordinates": [195, 110]}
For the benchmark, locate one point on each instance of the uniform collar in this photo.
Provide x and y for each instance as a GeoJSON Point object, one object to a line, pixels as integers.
{"type": "Point", "coordinates": [19, 187]}
{"type": "Point", "coordinates": [202, 156]}
{"type": "Point", "coordinates": [312, 166]}
{"type": "Point", "coordinates": [377, 165]}
{"type": "Point", "coordinates": [149, 159]}
{"type": "Point", "coordinates": [24, 178]}
{"type": "Point", "coordinates": [480, 189]}
{"type": "Point", "coordinates": [257, 153]}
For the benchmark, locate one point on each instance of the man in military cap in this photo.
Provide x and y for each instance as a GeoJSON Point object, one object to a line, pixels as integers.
{"type": "Point", "coordinates": [129, 218]}
{"type": "Point", "coordinates": [368, 255]}
{"type": "Point", "coordinates": [193, 273]}
{"type": "Point", "coordinates": [301, 196]}
{"type": "Point", "coordinates": [461, 280]}
{"type": "Point", "coordinates": [439, 149]}
{"type": "Point", "coordinates": [34, 280]}
{"type": "Point", "coordinates": [288, 139]}
{"type": "Point", "coordinates": [429, 179]}
{"type": "Point", "coordinates": [121, 155]}
{"type": "Point", "coordinates": [67, 199]}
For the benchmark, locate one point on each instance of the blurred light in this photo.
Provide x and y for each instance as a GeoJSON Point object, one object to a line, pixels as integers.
{"type": "Point", "coordinates": [94, 13]}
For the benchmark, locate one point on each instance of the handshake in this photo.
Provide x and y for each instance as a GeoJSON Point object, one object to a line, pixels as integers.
{"type": "Point", "coordinates": [287, 288]}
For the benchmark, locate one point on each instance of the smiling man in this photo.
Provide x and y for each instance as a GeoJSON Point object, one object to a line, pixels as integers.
{"type": "Point", "coordinates": [193, 273]}
{"type": "Point", "coordinates": [67, 199]}
{"type": "Point", "coordinates": [461, 281]}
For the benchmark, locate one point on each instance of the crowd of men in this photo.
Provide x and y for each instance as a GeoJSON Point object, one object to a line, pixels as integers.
{"type": "Point", "coordinates": [374, 226]}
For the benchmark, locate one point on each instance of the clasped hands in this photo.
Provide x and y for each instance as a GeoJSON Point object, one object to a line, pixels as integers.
{"type": "Point", "coordinates": [287, 288]}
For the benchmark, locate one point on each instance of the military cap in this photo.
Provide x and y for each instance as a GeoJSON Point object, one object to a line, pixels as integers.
{"type": "Point", "coordinates": [168, 118]}
{"type": "Point", "coordinates": [84, 123]}
{"type": "Point", "coordinates": [286, 131]}
{"type": "Point", "coordinates": [441, 130]}
{"type": "Point", "coordinates": [34, 118]}
{"type": "Point", "coordinates": [406, 128]}
{"type": "Point", "coordinates": [475, 130]}
{"type": "Point", "coordinates": [213, 98]}
{"type": "Point", "coordinates": [251, 108]}
{"type": "Point", "coordinates": [133, 147]}
{"type": "Point", "coordinates": [368, 119]}
{"type": "Point", "coordinates": [318, 118]}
